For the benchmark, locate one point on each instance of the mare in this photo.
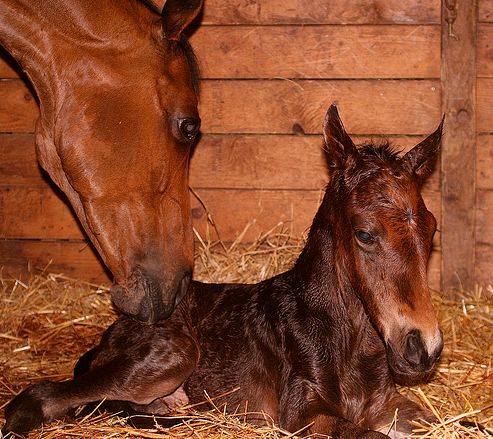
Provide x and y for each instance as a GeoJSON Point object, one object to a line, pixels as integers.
{"type": "Point", "coordinates": [117, 89]}
{"type": "Point", "coordinates": [319, 347]}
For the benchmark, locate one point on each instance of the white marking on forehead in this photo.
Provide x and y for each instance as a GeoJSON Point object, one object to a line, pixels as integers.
{"type": "Point", "coordinates": [410, 215]}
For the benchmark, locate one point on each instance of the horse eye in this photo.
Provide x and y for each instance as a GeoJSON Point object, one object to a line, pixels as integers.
{"type": "Point", "coordinates": [364, 237]}
{"type": "Point", "coordinates": [189, 127]}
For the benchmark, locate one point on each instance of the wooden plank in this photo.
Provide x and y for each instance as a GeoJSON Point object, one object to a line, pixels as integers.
{"type": "Point", "coordinates": [342, 52]}
{"type": "Point", "coordinates": [484, 159]}
{"type": "Point", "coordinates": [459, 156]}
{"type": "Point", "coordinates": [485, 50]}
{"type": "Point", "coordinates": [233, 211]}
{"type": "Point", "coordinates": [485, 13]}
{"type": "Point", "coordinates": [281, 106]}
{"type": "Point", "coordinates": [21, 258]}
{"type": "Point", "coordinates": [18, 162]}
{"type": "Point", "coordinates": [35, 213]}
{"type": "Point", "coordinates": [39, 213]}
{"type": "Point", "coordinates": [484, 264]}
{"type": "Point", "coordinates": [18, 108]}
{"type": "Point", "coordinates": [321, 11]}
{"type": "Point", "coordinates": [367, 106]}
{"type": "Point", "coordinates": [484, 237]}
{"type": "Point", "coordinates": [259, 162]}
{"type": "Point", "coordinates": [484, 105]}
{"type": "Point", "coordinates": [484, 213]}
{"type": "Point", "coordinates": [268, 161]}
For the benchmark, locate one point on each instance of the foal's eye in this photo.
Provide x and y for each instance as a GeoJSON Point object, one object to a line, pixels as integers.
{"type": "Point", "coordinates": [364, 237]}
{"type": "Point", "coordinates": [189, 127]}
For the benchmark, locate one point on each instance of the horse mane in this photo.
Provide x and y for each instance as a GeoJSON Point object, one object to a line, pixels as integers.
{"type": "Point", "coordinates": [192, 62]}
{"type": "Point", "coordinates": [151, 6]}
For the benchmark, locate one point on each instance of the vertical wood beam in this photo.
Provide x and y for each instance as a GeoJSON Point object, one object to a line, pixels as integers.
{"type": "Point", "coordinates": [458, 159]}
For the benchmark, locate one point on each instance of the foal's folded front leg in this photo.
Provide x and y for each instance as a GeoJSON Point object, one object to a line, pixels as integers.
{"type": "Point", "coordinates": [301, 409]}
{"type": "Point", "coordinates": [134, 362]}
{"type": "Point", "coordinates": [324, 424]}
{"type": "Point", "coordinates": [399, 412]}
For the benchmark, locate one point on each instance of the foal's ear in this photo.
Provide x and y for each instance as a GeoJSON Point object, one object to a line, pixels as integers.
{"type": "Point", "coordinates": [421, 160]}
{"type": "Point", "coordinates": [177, 15]}
{"type": "Point", "coordinates": [338, 145]}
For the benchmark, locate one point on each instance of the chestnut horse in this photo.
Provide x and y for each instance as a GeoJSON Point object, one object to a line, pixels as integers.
{"type": "Point", "coordinates": [117, 90]}
{"type": "Point", "coordinates": [320, 346]}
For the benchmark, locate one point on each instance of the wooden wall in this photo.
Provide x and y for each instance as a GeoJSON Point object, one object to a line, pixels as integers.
{"type": "Point", "coordinates": [270, 68]}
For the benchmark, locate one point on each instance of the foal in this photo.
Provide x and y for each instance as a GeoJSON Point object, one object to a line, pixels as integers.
{"type": "Point", "coordinates": [318, 347]}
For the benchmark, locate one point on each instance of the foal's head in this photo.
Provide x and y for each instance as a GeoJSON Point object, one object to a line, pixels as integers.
{"type": "Point", "coordinates": [385, 239]}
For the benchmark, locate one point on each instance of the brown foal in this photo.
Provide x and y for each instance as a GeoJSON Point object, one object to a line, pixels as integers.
{"type": "Point", "coordinates": [319, 347]}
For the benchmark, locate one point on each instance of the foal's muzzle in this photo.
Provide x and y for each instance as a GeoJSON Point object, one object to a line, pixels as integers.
{"type": "Point", "coordinates": [148, 300]}
{"type": "Point", "coordinates": [417, 354]}
{"type": "Point", "coordinates": [414, 361]}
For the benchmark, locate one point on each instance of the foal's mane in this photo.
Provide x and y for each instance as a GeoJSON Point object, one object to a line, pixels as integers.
{"type": "Point", "coordinates": [383, 151]}
{"type": "Point", "coordinates": [372, 158]}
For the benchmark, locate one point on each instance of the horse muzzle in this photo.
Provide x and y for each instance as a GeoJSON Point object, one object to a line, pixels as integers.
{"type": "Point", "coordinates": [414, 363]}
{"type": "Point", "coordinates": [147, 299]}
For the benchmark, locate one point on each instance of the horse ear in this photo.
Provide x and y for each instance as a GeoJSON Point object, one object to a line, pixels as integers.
{"type": "Point", "coordinates": [421, 160]}
{"type": "Point", "coordinates": [338, 145]}
{"type": "Point", "coordinates": [177, 15]}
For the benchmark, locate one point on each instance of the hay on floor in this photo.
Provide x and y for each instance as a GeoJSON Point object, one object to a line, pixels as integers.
{"type": "Point", "coordinates": [49, 322]}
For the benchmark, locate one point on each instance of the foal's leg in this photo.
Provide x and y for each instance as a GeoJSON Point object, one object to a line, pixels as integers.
{"type": "Point", "coordinates": [406, 411]}
{"type": "Point", "coordinates": [339, 428]}
{"type": "Point", "coordinates": [134, 362]}
{"type": "Point", "coordinates": [317, 418]}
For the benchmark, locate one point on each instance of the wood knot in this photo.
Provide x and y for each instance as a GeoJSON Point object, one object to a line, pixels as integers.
{"type": "Point", "coordinates": [462, 115]}
{"type": "Point", "coordinates": [197, 212]}
{"type": "Point", "coordinates": [298, 129]}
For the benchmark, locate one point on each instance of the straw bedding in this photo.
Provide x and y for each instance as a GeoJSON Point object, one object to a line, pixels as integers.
{"type": "Point", "coordinates": [49, 322]}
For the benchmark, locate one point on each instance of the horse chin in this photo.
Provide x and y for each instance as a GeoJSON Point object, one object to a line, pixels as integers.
{"type": "Point", "coordinates": [143, 300]}
{"type": "Point", "coordinates": [405, 373]}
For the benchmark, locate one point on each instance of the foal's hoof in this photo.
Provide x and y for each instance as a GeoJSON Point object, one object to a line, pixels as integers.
{"type": "Point", "coordinates": [30, 409]}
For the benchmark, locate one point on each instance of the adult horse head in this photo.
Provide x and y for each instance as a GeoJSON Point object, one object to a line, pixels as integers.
{"type": "Point", "coordinates": [117, 88]}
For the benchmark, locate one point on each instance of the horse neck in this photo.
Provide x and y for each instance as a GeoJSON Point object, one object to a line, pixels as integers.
{"type": "Point", "coordinates": [321, 267]}
{"type": "Point", "coordinates": [323, 284]}
{"type": "Point", "coordinates": [33, 32]}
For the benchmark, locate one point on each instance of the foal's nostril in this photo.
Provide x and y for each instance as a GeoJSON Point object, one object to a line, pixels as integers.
{"type": "Point", "coordinates": [415, 351]}
{"type": "Point", "coordinates": [438, 349]}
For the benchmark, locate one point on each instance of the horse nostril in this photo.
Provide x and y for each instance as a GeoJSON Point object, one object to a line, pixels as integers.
{"type": "Point", "coordinates": [183, 287]}
{"type": "Point", "coordinates": [414, 349]}
{"type": "Point", "coordinates": [438, 349]}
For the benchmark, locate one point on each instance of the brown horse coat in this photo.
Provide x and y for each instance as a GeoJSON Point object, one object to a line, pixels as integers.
{"type": "Point", "coordinates": [117, 90]}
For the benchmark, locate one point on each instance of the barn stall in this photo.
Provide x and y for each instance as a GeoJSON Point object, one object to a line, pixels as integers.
{"type": "Point", "coordinates": [269, 71]}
